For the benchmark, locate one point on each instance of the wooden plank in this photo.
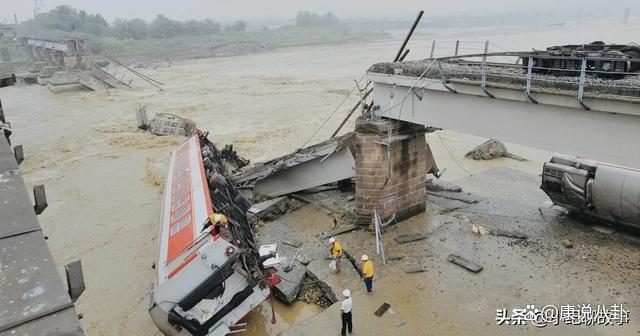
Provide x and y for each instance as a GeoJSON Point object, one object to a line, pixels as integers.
{"type": "Point", "coordinates": [460, 261]}
{"type": "Point", "coordinates": [416, 269]}
{"type": "Point", "coordinates": [383, 309]}
{"type": "Point", "coordinates": [341, 230]}
{"type": "Point", "coordinates": [407, 238]}
{"type": "Point", "coordinates": [510, 234]}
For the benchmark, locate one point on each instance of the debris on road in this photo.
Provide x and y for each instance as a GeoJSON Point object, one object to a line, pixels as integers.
{"type": "Point", "coordinates": [383, 309]}
{"type": "Point", "coordinates": [293, 243]}
{"type": "Point", "coordinates": [510, 234]}
{"type": "Point", "coordinates": [165, 123]}
{"type": "Point", "coordinates": [353, 262]}
{"type": "Point", "coordinates": [567, 243]}
{"type": "Point", "coordinates": [341, 230]}
{"type": "Point", "coordinates": [460, 261]}
{"type": "Point", "coordinates": [407, 238]}
{"type": "Point", "coordinates": [604, 229]}
{"type": "Point", "coordinates": [479, 229]}
{"type": "Point", "coordinates": [491, 149]}
{"type": "Point", "coordinates": [440, 185]}
{"type": "Point", "coordinates": [416, 269]}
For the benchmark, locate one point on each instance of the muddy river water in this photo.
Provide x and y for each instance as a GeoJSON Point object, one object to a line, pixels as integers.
{"type": "Point", "coordinates": [104, 177]}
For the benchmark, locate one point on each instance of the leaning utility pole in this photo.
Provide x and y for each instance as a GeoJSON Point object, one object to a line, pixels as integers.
{"type": "Point", "coordinates": [626, 15]}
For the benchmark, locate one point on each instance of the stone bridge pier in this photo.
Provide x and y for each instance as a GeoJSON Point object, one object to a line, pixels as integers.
{"type": "Point", "coordinates": [392, 162]}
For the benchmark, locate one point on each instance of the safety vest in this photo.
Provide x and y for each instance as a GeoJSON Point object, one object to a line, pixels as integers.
{"type": "Point", "coordinates": [367, 269]}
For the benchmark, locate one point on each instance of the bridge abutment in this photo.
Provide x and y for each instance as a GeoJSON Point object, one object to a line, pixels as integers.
{"type": "Point", "coordinates": [392, 162]}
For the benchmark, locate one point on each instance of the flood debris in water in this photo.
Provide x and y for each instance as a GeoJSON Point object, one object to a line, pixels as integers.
{"type": "Point", "coordinates": [165, 124]}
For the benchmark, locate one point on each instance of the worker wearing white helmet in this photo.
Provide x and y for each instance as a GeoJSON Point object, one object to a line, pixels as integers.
{"type": "Point", "coordinates": [336, 252]}
{"type": "Point", "coordinates": [345, 313]}
{"type": "Point", "coordinates": [367, 273]}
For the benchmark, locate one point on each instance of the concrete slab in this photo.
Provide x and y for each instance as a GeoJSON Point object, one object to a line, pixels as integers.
{"type": "Point", "coordinates": [30, 284]}
{"type": "Point", "coordinates": [33, 299]}
{"type": "Point", "coordinates": [18, 216]}
{"type": "Point", "coordinates": [65, 77]}
{"type": "Point", "coordinates": [64, 322]}
{"type": "Point", "coordinates": [291, 282]}
{"type": "Point", "coordinates": [327, 162]}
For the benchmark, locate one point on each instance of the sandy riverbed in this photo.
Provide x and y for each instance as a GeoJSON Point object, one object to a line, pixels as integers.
{"type": "Point", "coordinates": [104, 177]}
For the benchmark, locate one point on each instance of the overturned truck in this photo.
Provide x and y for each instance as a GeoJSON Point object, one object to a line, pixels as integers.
{"type": "Point", "coordinates": [206, 280]}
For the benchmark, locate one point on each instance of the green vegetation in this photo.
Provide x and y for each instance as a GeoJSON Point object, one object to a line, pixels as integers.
{"type": "Point", "coordinates": [164, 37]}
{"type": "Point", "coordinates": [307, 19]}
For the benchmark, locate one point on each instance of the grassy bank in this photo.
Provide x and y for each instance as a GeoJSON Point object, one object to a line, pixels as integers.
{"type": "Point", "coordinates": [231, 43]}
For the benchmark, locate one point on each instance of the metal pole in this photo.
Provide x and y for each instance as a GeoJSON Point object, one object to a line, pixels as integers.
{"type": "Point", "coordinates": [433, 48]}
{"type": "Point", "coordinates": [406, 39]}
{"type": "Point", "coordinates": [404, 54]}
{"type": "Point", "coordinates": [350, 113]}
{"type": "Point", "coordinates": [484, 64]}
{"type": "Point", "coordinates": [457, 47]}
{"type": "Point", "coordinates": [529, 71]}
{"type": "Point", "coordinates": [583, 70]}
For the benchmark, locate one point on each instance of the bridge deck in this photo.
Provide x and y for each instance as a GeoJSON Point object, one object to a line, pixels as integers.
{"type": "Point", "coordinates": [515, 77]}
{"type": "Point", "coordinates": [599, 125]}
{"type": "Point", "coordinates": [33, 297]}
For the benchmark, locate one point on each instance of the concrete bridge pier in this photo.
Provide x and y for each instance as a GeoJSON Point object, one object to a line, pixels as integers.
{"type": "Point", "coordinates": [392, 162]}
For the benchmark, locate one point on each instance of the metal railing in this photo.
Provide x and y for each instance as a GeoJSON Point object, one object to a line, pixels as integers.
{"type": "Point", "coordinates": [481, 68]}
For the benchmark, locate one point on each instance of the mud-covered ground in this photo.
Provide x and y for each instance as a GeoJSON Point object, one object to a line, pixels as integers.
{"type": "Point", "coordinates": [446, 299]}
{"type": "Point", "coordinates": [104, 177]}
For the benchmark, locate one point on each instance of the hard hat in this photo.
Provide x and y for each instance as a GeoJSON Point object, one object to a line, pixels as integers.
{"type": "Point", "coordinates": [364, 257]}
{"type": "Point", "coordinates": [346, 293]}
{"type": "Point", "coordinates": [332, 240]}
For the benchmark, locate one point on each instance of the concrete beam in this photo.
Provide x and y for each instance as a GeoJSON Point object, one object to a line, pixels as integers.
{"type": "Point", "coordinates": [51, 45]}
{"type": "Point", "coordinates": [558, 123]}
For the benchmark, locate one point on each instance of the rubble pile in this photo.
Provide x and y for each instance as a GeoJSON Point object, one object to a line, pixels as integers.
{"type": "Point", "coordinates": [491, 149]}
{"type": "Point", "coordinates": [166, 124]}
{"type": "Point", "coordinates": [312, 292]}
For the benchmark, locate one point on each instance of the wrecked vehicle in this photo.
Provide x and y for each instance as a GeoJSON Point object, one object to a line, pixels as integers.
{"type": "Point", "coordinates": [206, 280]}
{"type": "Point", "coordinates": [593, 188]}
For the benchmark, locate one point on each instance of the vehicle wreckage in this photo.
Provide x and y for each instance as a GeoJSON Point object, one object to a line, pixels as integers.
{"type": "Point", "coordinates": [206, 280]}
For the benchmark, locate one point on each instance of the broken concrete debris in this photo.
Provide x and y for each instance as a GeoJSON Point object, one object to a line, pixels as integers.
{"type": "Point", "coordinates": [509, 234]}
{"type": "Point", "coordinates": [436, 185]}
{"type": "Point", "coordinates": [341, 230]}
{"type": "Point", "coordinates": [567, 243]}
{"type": "Point", "coordinates": [407, 238]}
{"type": "Point", "coordinates": [327, 162]}
{"type": "Point", "coordinates": [460, 261]}
{"type": "Point", "coordinates": [383, 309]}
{"type": "Point", "coordinates": [165, 124]}
{"type": "Point", "coordinates": [479, 229]}
{"type": "Point", "coordinates": [416, 269]}
{"type": "Point", "coordinates": [491, 149]}
{"type": "Point", "coordinates": [269, 210]}
{"type": "Point", "coordinates": [313, 292]}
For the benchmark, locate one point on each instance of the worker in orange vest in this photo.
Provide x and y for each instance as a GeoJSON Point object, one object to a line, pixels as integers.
{"type": "Point", "coordinates": [367, 273]}
{"type": "Point", "coordinates": [336, 252]}
{"type": "Point", "coordinates": [216, 220]}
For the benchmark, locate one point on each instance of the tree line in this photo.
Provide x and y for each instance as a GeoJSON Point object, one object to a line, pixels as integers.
{"type": "Point", "coordinates": [68, 19]}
